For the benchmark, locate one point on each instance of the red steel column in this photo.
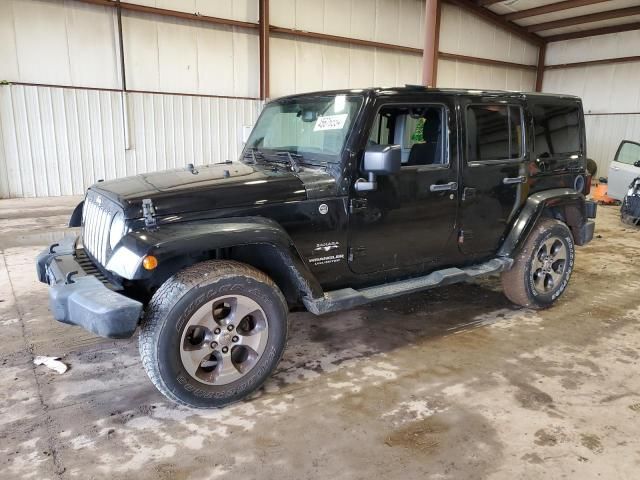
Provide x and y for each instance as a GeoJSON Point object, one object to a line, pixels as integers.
{"type": "Point", "coordinates": [264, 48]}
{"type": "Point", "coordinates": [431, 40]}
{"type": "Point", "coordinates": [542, 52]}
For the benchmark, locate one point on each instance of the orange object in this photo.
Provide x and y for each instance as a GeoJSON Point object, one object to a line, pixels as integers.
{"type": "Point", "coordinates": [149, 262]}
{"type": "Point", "coordinates": [599, 194]}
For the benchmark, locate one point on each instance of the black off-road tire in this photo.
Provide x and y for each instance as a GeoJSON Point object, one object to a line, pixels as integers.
{"type": "Point", "coordinates": [173, 305]}
{"type": "Point", "coordinates": [518, 283]}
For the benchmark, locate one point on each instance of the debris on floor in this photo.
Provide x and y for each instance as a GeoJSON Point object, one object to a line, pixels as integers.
{"type": "Point", "coordinates": [53, 363]}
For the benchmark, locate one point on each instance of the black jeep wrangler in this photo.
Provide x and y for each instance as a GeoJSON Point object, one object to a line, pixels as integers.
{"type": "Point", "coordinates": [340, 198]}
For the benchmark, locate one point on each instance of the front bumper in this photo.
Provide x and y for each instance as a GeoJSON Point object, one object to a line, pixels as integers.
{"type": "Point", "coordinates": [80, 298]}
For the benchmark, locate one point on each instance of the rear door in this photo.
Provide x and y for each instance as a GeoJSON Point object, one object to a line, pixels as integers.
{"type": "Point", "coordinates": [493, 172]}
{"type": "Point", "coordinates": [624, 168]}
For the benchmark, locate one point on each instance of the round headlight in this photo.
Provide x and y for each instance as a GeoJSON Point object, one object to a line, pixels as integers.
{"type": "Point", "coordinates": [117, 230]}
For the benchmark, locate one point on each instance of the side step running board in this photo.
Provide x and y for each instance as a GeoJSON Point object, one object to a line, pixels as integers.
{"type": "Point", "coordinates": [346, 298]}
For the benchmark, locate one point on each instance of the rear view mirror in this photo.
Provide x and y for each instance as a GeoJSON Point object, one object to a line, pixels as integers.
{"type": "Point", "coordinates": [379, 160]}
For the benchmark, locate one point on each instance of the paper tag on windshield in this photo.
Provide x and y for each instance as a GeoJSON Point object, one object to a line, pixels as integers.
{"type": "Point", "coordinates": [330, 122]}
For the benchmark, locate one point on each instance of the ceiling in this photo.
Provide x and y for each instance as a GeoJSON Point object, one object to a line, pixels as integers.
{"type": "Point", "coordinates": [560, 20]}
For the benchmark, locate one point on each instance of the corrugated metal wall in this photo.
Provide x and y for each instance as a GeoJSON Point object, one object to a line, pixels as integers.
{"type": "Point", "coordinates": [463, 33]}
{"type": "Point", "coordinates": [611, 100]}
{"type": "Point", "coordinates": [57, 141]}
{"type": "Point", "coordinates": [304, 64]}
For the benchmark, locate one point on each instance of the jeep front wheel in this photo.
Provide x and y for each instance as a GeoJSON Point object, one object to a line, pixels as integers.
{"type": "Point", "coordinates": [213, 333]}
{"type": "Point", "coordinates": [542, 267]}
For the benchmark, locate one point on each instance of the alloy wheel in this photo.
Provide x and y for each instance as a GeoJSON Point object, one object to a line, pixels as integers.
{"type": "Point", "coordinates": [224, 339]}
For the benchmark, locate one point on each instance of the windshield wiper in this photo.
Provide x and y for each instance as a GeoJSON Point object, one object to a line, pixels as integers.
{"type": "Point", "coordinates": [292, 157]}
{"type": "Point", "coordinates": [254, 153]}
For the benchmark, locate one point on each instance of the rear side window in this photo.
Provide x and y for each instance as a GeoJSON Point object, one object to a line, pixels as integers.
{"type": "Point", "coordinates": [557, 129]}
{"type": "Point", "coordinates": [628, 152]}
{"type": "Point", "coordinates": [494, 132]}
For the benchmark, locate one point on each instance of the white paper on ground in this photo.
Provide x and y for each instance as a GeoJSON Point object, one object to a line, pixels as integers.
{"type": "Point", "coordinates": [53, 363]}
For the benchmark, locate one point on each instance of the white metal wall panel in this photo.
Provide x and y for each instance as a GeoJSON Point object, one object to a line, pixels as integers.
{"type": "Point", "coordinates": [56, 42]}
{"type": "Point", "coordinates": [459, 74]}
{"type": "Point", "coordinates": [56, 141]}
{"type": "Point", "coordinates": [604, 134]}
{"type": "Point", "coordinates": [463, 33]}
{"type": "Point", "coordinates": [398, 22]}
{"type": "Point", "coordinates": [304, 65]}
{"type": "Point", "coordinates": [181, 56]}
{"type": "Point", "coordinates": [603, 88]}
{"type": "Point", "coordinates": [243, 10]}
{"type": "Point", "coordinates": [623, 44]}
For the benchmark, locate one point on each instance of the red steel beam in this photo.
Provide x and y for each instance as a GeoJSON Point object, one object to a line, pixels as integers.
{"type": "Point", "coordinates": [604, 61]}
{"type": "Point", "coordinates": [498, 20]}
{"type": "Point", "coordinates": [626, 27]}
{"type": "Point", "coordinates": [172, 13]}
{"type": "Point", "coordinates": [348, 40]}
{"type": "Point", "coordinates": [592, 17]}
{"type": "Point", "coordinates": [553, 7]}
{"type": "Point", "coordinates": [485, 61]}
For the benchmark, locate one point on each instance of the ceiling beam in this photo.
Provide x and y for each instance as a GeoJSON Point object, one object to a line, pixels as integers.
{"type": "Point", "coordinates": [553, 7]}
{"type": "Point", "coordinates": [496, 19]}
{"type": "Point", "coordinates": [627, 27]}
{"type": "Point", "coordinates": [592, 17]}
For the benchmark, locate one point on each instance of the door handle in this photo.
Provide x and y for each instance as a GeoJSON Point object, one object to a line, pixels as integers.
{"type": "Point", "coordinates": [512, 180]}
{"type": "Point", "coordinates": [443, 187]}
{"type": "Point", "coordinates": [615, 168]}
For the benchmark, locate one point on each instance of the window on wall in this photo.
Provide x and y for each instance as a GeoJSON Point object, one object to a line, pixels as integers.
{"type": "Point", "coordinates": [557, 129]}
{"type": "Point", "coordinates": [494, 132]}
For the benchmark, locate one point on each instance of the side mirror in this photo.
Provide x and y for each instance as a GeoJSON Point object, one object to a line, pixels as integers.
{"type": "Point", "coordinates": [379, 160]}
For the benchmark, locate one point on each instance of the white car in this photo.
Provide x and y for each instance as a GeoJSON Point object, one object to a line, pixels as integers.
{"type": "Point", "coordinates": [624, 168]}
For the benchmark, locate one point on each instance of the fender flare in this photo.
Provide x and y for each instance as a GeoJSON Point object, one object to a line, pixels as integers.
{"type": "Point", "coordinates": [75, 220]}
{"type": "Point", "coordinates": [533, 209]}
{"type": "Point", "coordinates": [171, 242]}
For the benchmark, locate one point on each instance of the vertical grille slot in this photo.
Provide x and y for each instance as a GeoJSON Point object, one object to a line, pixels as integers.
{"type": "Point", "coordinates": [99, 213]}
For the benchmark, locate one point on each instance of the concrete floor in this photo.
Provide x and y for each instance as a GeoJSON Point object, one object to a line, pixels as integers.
{"type": "Point", "coordinates": [453, 383]}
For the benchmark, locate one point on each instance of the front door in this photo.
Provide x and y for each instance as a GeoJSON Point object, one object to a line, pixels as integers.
{"type": "Point", "coordinates": [493, 174]}
{"type": "Point", "coordinates": [408, 222]}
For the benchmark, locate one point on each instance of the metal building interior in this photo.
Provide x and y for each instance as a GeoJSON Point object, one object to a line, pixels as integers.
{"type": "Point", "coordinates": [449, 383]}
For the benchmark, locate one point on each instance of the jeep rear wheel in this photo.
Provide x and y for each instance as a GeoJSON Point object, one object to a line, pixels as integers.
{"type": "Point", "coordinates": [213, 333]}
{"type": "Point", "coordinates": [542, 267]}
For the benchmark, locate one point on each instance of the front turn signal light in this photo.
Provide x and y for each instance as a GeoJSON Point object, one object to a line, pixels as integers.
{"type": "Point", "coordinates": [149, 262]}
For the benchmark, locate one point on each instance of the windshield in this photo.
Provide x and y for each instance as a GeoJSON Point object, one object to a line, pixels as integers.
{"type": "Point", "coordinates": [314, 128]}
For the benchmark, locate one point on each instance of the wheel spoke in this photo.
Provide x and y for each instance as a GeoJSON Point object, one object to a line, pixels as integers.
{"type": "Point", "coordinates": [243, 309]}
{"type": "Point", "coordinates": [559, 252]}
{"type": "Point", "coordinates": [226, 371]}
{"type": "Point", "coordinates": [254, 341]}
{"type": "Point", "coordinates": [548, 282]}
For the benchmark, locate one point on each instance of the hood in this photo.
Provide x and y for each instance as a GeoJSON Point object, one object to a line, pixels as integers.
{"type": "Point", "coordinates": [180, 191]}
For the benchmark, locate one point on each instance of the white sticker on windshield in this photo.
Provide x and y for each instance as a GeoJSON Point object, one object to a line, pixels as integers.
{"type": "Point", "coordinates": [330, 122]}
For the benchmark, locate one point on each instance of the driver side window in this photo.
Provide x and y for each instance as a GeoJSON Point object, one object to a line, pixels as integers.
{"type": "Point", "coordinates": [420, 130]}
